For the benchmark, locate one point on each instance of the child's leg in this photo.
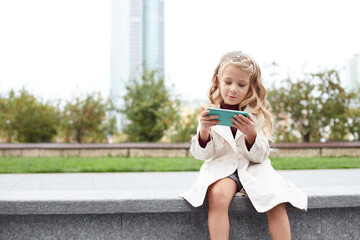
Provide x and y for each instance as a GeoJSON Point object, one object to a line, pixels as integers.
{"type": "Point", "coordinates": [278, 221]}
{"type": "Point", "coordinates": [220, 195]}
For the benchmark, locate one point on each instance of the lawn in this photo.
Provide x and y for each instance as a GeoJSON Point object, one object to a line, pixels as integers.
{"type": "Point", "coordinates": [148, 164]}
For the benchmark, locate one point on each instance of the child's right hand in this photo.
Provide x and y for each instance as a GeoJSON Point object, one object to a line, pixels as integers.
{"type": "Point", "coordinates": [206, 122]}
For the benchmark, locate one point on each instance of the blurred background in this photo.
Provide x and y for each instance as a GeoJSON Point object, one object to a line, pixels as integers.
{"type": "Point", "coordinates": [139, 70]}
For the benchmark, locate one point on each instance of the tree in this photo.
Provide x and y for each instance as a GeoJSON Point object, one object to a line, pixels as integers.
{"type": "Point", "coordinates": [354, 115]}
{"type": "Point", "coordinates": [354, 123]}
{"type": "Point", "coordinates": [6, 116]}
{"type": "Point", "coordinates": [88, 117]}
{"type": "Point", "coordinates": [313, 105]}
{"type": "Point", "coordinates": [283, 130]}
{"type": "Point", "coordinates": [149, 108]}
{"type": "Point", "coordinates": [185, 127]}
{"type": "Point", "coordinates": [27, 119]}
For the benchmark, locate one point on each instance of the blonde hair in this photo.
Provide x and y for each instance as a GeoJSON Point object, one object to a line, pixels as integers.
{"type": "Point", "coordinates": [256, 96]}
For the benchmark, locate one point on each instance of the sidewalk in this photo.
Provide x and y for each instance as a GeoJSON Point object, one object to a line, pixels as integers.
{"type": "Point", "coordinates": [151, 184]}
{"type": "Point", "coordinates": [146, 205]}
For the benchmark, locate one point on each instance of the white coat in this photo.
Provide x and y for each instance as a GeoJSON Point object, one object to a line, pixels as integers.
{"type": "Point", "coordinates": [261, 183]}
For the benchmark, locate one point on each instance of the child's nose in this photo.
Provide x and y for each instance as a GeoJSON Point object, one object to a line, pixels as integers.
{"type": "Point", "coordinates": [233, 88]}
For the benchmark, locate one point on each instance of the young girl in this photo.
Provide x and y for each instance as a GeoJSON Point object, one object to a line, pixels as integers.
{"type": "Point", "coordinates": [236, 158]}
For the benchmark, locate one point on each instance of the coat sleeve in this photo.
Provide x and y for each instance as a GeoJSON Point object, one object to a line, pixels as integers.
{"type": "Point", "coordinates": [199, 152]}
{"type": "Point", "coordinates": [260, 150]}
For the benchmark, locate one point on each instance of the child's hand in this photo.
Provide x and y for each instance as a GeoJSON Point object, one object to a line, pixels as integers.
{"type": "Point", "coordinates": [246, 126]}
{"type": "Point", "coordinates": [206, 123]}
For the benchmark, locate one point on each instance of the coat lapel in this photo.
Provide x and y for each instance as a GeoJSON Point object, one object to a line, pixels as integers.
{"type": "Point", "coordinates": [225, 132]}
{"type": "Point", "coordinates": [238, 134]}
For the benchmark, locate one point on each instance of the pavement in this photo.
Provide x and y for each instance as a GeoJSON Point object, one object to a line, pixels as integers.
{"type": "Point", "coordinates": [155, 184]}
{"type": "Point", "coordinates": [147, 205]}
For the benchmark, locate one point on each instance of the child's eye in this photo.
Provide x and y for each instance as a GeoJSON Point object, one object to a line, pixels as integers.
{"type": "Point", "coordinates": [227, 83]}
{"type": "Point", "coordinates": [242, 85]}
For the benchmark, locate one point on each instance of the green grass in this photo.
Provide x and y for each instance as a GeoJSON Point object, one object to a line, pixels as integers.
{"type": "Point", "coordinates": [315, 163]}
{"type": "Point", "coordinates": [148, 164]}
{"type": "Point", "coordinates": [101, 164]}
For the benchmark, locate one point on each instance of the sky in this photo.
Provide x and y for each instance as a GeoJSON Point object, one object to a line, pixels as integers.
{"type": "Point", "coordinates": [61, 49]}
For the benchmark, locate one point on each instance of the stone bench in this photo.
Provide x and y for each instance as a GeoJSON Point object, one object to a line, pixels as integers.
{"type": "Point", "coordinates": [147, 206]}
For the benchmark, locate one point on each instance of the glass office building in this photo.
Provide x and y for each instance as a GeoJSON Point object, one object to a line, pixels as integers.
{"type": "Point", "coordinates": [137, 39]}
{"type": "Point", "coordinates": [352, 73]}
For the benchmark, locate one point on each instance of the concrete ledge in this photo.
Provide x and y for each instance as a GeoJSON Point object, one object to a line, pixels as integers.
{"type": "Point", "coordinates": [147, 206]}
{"type": "Point", "coordinates": [169, 219]}
{"type": "Point", "coordinates": [35, 203]}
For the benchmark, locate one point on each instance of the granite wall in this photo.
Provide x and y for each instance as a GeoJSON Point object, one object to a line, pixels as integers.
{"type": "Point", "coordinates": [324, 223]}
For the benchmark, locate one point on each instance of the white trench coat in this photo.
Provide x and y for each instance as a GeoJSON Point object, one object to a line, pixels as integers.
{"type": "Point", "coordinates": [224, 154]}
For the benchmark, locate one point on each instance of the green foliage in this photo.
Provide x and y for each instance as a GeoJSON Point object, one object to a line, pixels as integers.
{"type": "Point", "coordinates": [312, 106]}
{"type": "Point", "coordinates": [354, 123]}
{"type": "Point", "coordinates": [6, 115]}
{"type": "Point", "coordinates": [25, 119]}
{"type": "Point", "coordinates": [88, 118]}
{"type": "Point", "coordinates": [185, 127]}
{"type": "Point", "coordinates": [148, 108]}
{"type": "Point", "coordinates": [282, 130]}
{"type": "Point", "coordinates": [354, 115]}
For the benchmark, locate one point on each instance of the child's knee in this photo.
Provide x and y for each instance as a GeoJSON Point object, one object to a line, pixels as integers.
{"type": "Point", "coordinates": [218, 198]}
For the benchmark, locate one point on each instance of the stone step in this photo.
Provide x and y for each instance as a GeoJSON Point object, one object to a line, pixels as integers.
{"type": "Point", "coordinates": [147, 206]}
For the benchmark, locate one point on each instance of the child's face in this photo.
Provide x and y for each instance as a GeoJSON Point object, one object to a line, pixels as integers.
{"type": "Point", "coordinates": [234, 84]}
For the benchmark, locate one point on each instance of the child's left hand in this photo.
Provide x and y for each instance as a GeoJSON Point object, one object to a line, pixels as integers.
{"type": "Point", "coordinates": [246, 126]}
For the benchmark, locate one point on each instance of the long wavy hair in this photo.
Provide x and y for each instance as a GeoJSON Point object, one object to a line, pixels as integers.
{"type": "Point", "coordinates": [256, 96]}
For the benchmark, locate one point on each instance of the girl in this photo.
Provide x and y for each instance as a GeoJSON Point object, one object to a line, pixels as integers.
{"type": "Point", "coordinates": [236, 158]}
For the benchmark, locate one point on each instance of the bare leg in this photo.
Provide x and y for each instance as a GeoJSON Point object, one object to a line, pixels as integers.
{"type": "Point", "coordinates": [278, 221]}
{"type": "Point", "coordinates": [220, 195]}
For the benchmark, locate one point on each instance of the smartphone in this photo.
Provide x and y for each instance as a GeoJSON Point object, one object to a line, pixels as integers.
{"type": "Point", "coordinates": [225, 115]}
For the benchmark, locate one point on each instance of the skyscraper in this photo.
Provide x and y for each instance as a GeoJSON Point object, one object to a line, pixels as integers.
{"type": "Point", "coordinates": [137, 40]}
{"type": "Point", "coordinates": [352, 73]}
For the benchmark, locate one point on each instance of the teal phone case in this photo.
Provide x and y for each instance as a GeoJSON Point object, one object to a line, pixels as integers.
{"type": "Point", "coordinates": [225, 115]}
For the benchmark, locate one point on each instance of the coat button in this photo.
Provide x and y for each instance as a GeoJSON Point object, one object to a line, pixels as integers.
{"type": "Point", "coordinates": [220, 160]}
{"type": "Point", "coordinates": [223, 141]}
